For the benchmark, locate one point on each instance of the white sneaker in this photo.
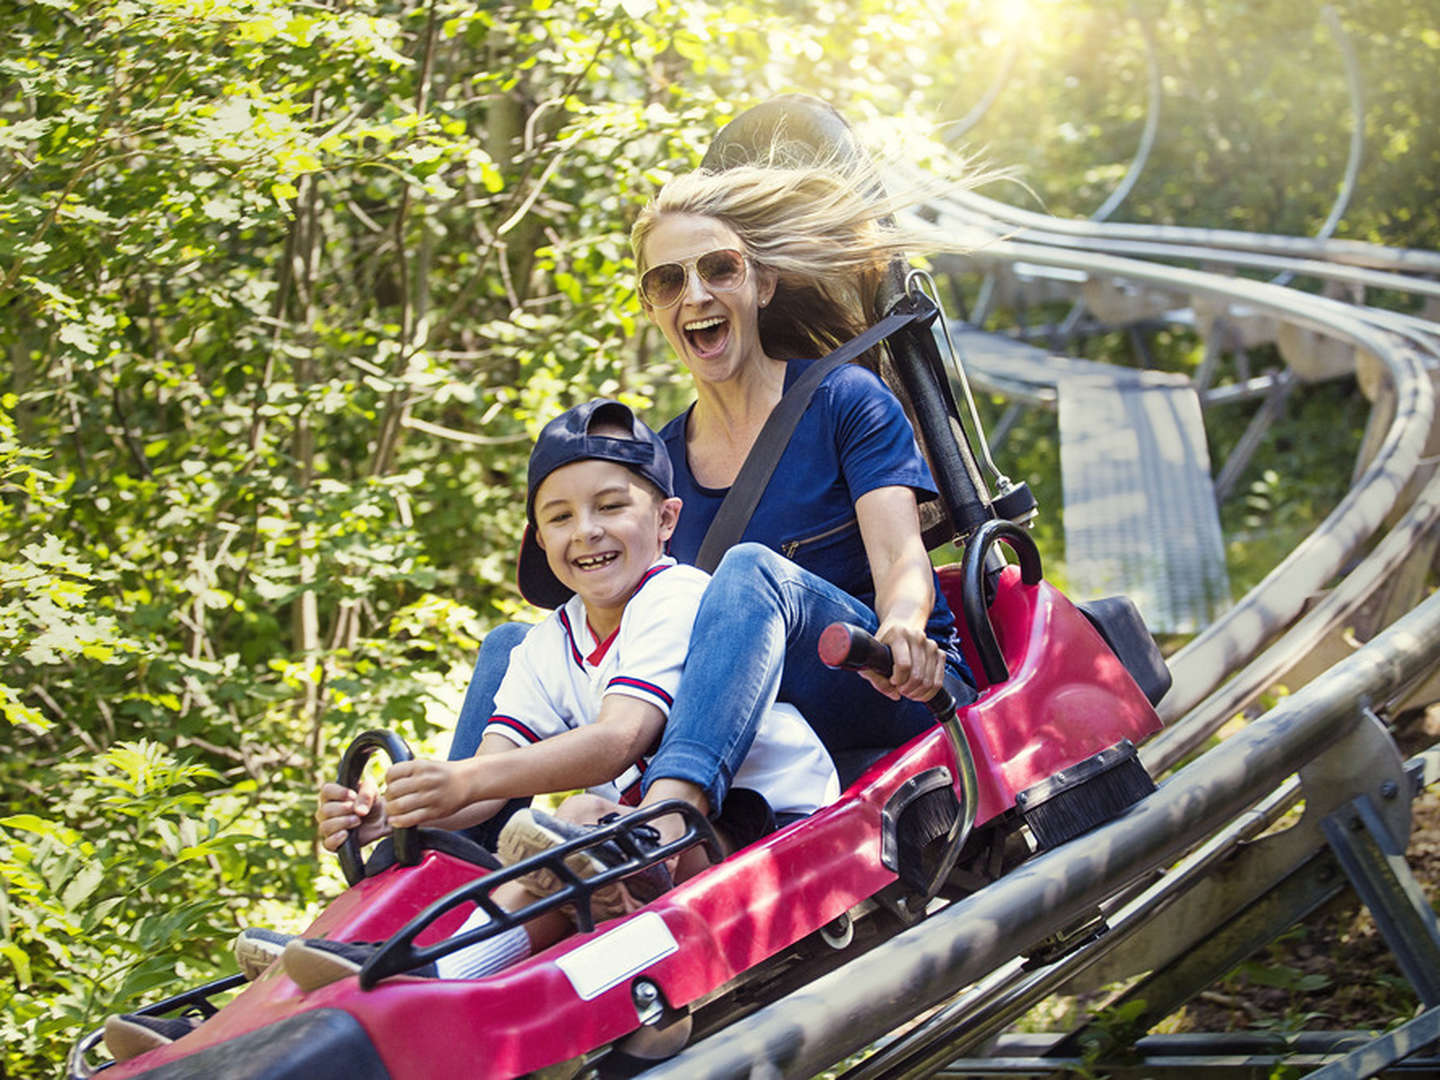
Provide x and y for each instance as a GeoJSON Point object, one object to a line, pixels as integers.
{"type": "Point", "coordinates": [257, 948]}
{"type": "Point", "coordinates": [530, 832]}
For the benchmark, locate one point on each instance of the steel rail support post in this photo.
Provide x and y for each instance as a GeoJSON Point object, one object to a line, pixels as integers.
{"type": "Point", "coordinates": [1386, 1050]}
{"type": "Point", "coordinates": [1374, 861]}
{"type": "Point", "coordinates": [1224, 896]}
{"type": "Point", "coordinates": [1259, 426]}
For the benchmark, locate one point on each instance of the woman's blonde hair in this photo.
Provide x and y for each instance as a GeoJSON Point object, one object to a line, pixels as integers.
{"type": "Point", "coordinates": [825, 230]}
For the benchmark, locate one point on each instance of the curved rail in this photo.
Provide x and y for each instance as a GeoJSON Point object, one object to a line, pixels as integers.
{"type": "Point", "coordinates": [990, 217]}
{"type": "Point", "coordinates": [1147, 136]}
{"type": "Point", "coordinates": [1357, 131]}
{"type": "Point", "coordinates": [841, 1012]}
{"type": "Point", "coordinates": [1227, 796]}
{"type": "Point", "coordinates": [958, 128]}
{"type": "Point", "coordinates": [1236, 636]}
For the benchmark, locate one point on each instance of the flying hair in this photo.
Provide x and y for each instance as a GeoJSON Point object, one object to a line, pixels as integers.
{"type": "Point", "coordinates": [826, 229]}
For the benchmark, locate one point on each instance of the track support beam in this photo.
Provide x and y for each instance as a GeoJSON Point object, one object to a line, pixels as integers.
{"type": "Point", "coordinates": [1375, 864]}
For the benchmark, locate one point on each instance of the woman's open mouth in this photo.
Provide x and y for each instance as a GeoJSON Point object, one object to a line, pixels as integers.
{"type": "Point", "coordinates": [707, 336]}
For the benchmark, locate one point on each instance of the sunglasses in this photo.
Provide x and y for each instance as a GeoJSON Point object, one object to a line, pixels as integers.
{"type": "Point", "coordinates": [664, 284]}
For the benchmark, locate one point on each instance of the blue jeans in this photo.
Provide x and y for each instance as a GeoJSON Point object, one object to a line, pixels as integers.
{"type": "Point", "coordinates": [754, 642]}
{"type": "Point", "coordinates": [479, 703]}
{"type": "Point", "coordinates": [475, 713]}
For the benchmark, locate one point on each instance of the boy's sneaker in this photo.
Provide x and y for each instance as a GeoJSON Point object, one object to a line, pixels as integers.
{"type": "Point", "coordinates": [257, 948]}
{"type": "Point", "coordinates": [316, 962]}
{"type": "Point", "coordinates": [530, 832]}
{"type": "Point", "coordinates": [129, 1035]}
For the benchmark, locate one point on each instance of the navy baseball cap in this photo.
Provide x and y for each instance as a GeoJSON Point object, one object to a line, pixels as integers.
{"type": "Point", "coordinates": [567, 439]}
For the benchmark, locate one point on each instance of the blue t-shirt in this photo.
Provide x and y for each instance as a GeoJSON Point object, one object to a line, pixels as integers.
{"type": "Point", "coordinates": [854, 437]}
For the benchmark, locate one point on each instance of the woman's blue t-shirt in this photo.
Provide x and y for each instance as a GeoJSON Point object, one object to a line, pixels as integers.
{"type": "Point", "coordinates": [853, 438]}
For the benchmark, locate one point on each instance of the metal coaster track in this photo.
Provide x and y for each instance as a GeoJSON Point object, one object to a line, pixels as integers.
{"type": "Point", "coordinates": [962, 963]}
{"type": "Point", "coordinates": [975, 943]}
{"type": "Point", "coordinates": [1195, 877]}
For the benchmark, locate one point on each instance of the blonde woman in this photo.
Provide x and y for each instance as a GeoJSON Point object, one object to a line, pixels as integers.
{"type": "Point", "coordinates": [751, 274]}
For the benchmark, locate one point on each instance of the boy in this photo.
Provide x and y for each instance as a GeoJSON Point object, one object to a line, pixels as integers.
{"type": "Point", "coordinates": [582, 704]}
{"type": "Point", "coordinates": [586, 694]}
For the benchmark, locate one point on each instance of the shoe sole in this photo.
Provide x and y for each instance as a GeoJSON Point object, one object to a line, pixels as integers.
{"type": "Point", "coordinates": [126, 1039]}
{"type": "Point", "coordinates": [311, 969]}
{"type": "Point", "coordinates": [255, 956]}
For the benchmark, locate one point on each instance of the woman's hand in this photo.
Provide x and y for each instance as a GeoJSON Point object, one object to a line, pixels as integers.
{"type": "Point", "coordinates": [904, 592]}
{"type": "Point", "coordinates": [421, 791]}
{"type": "Point", "coordinates": [918, 664]}
{"type": "Point", "coordinates": [342, 809]}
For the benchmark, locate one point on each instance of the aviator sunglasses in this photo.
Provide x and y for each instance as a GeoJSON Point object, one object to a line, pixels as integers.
{"type": "Point", "coordinates": [722, 269]}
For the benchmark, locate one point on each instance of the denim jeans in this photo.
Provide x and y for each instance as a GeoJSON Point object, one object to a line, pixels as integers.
{"type": "Point", "coordinates": [475, 713]}
{"type": "Point", "coordinates": [479, 703]}
{"type": "Point", "coordinates": [755, 642]}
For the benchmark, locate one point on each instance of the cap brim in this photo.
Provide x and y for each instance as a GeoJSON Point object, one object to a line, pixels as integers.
{"type": "Point", "coordinates": [538, 583]}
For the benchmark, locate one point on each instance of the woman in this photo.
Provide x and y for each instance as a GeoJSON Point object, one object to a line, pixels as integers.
{"type": "Point", "coordinates": [801, 253]}
{"type": "Point", "coordinates": [750, 274]}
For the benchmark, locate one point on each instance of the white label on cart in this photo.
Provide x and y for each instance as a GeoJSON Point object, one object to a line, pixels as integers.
{"type": "Point", "coordinates": [613, 957]}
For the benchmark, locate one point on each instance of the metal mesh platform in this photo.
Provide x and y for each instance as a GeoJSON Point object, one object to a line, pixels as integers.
{"type": "Point", "coordinates": [1140, 516]}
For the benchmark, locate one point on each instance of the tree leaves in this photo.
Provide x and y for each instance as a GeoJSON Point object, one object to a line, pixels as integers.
{"type": "Point", "coordinates": [288, 289]}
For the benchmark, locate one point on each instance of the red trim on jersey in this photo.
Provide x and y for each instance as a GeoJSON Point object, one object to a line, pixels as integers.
{"type": "Point", "coordinates": [647, 576]}
{"type": "Point", "coordinates": [570, 637]}
{"type": "Point", "coordinates": [598, 653]}
{"type": "Point", "coordinates": [514, 725]}
{"type": "Point", "coordinates": [641, 684]}
{"type": "Point", "coordinates": [631, 795]}
{"type": "Point", "coordinates": [600, 650]}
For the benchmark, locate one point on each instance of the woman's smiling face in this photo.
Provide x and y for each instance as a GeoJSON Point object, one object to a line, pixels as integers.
{"type": "Point", "coordinates": [714, 331]}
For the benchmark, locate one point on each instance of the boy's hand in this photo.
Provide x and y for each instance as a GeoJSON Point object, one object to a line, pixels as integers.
{"type": "Point", "coordinates": [342, 809]}
{"type": "Point", "coordinates": [421, 791]}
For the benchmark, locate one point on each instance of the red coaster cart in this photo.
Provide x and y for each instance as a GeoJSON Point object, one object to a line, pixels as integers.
{"type": "Point", "coordinates": [1045, 753]}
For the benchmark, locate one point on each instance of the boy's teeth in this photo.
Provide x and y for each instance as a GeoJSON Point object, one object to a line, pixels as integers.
{"type": "Point", "coordinates": [589, 562]}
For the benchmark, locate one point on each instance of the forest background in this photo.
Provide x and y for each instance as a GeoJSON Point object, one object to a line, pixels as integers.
{"type": "Point", "coordinates": [288, 288]}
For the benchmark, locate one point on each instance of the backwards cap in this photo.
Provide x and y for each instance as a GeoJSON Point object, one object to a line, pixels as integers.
{"type": "Point", "coordinates": [567, 439]}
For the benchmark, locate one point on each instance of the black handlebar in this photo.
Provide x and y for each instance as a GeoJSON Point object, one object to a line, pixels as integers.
{"type": "Point", "coordinates": [843, 645]}
{"type": "Point", "coordinates": [973, 594]}
{"type": "Point", "coordinates": [352, 765]}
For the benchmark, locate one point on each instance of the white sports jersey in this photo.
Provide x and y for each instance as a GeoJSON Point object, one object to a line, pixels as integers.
{"type": "Point", "coordinates": [559, 675]}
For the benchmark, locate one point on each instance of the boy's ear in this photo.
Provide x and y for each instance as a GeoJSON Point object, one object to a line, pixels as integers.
{"type": "Point", "coordinates": [669, 516]}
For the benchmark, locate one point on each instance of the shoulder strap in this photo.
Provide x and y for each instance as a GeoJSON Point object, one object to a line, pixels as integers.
{"type": "Point", "coordinates": [754, 476]}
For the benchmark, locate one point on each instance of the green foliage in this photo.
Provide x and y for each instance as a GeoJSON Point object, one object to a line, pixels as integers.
{"type": "Point", "coordinates": [1314, 444]}
{"type": "Point", "coordinates": [287, 290]}
{"type": "Point", "coordinates": [111, 893]}
{"type": "Point", "coordinates": [1255, 116]}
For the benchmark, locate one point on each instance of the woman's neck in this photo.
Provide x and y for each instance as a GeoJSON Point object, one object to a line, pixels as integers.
{"type": "Point", "coordinates": [727, 419]}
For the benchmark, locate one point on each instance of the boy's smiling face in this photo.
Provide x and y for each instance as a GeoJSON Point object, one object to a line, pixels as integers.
{"type": "Point", "coordinates": [601, 527]}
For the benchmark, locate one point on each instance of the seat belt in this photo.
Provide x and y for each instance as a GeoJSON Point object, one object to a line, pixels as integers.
{"type": "Point", "coordinates": [740, 501]}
